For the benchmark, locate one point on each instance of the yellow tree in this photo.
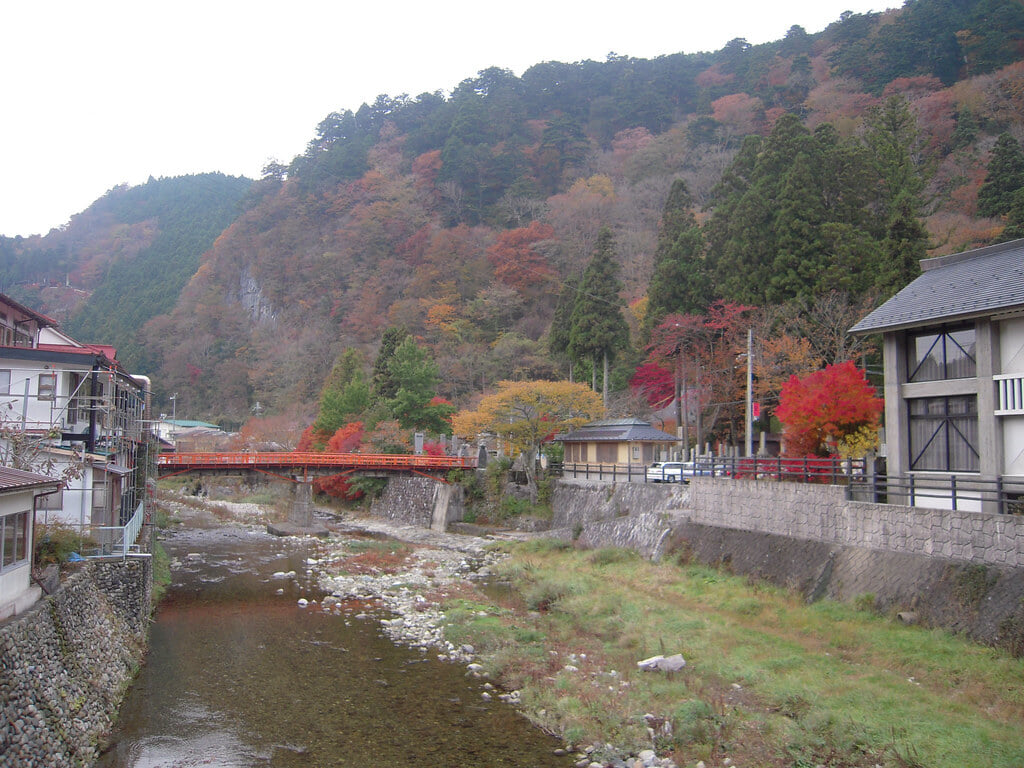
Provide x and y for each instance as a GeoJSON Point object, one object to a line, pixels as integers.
{"type": "Point", "coordinates": [528, 412]}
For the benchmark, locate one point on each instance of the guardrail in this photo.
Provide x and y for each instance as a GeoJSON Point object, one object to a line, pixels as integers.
{"type": "Point", "coordinates": [114, 540]}
{"type": "Point", "coordinates": [805, 470]}
{"type": "Point", "coordinates": [956, 492]}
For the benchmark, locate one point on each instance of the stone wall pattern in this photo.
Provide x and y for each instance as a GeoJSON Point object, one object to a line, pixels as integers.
{"type": "Point", "coordinates": [64, 665]}
{"type": "Point", "coordinates": [822, 513]}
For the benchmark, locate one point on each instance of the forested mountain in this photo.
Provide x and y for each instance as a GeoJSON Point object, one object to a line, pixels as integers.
{"type": "Point", "coordinates": [805, 177]}
{"type": "Point", "coordinates": [125, 259]}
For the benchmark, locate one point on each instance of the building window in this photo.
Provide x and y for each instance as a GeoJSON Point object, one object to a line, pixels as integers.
{"type": "Point", "coordinates": [13, 540]}
{"type": "Point", "coordinates": [944, 434]}
{"type": "Point", "coordinates": [607, 453]}
{"type": "Point", "coordinates": [5, 382]}
{"type": "Point", "coordinates": [47, 386]}
{"type": "Point", "coordinates": [946, 354]}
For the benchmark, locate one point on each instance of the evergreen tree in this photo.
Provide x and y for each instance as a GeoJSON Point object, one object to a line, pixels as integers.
{"type": "Point", "coordinates": [680, 282]}
{"type": "Point", "coordinates": [1015, 218]}
{"type": "Point", "coordinates": [415, 376]}
{"type": "Point", "coordinates": [561, 323]}
{"type": "Point", "coordinates": [597, 329]}
{"type": "Point", "coordinates": [893, 138]}
{"type": "Point", "coordinates": [801, 253]}
{"type": "Point", "coordinates": [346, 393]}
{"type": "Point", "coordinates": [906, 243]}
{"type": "Point", "coordinates": [383, 384]}
{"type": "Point", "coordinates": [1005, 176]}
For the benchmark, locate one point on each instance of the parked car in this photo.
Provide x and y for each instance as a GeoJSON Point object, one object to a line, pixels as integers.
{"type": "Point", "coordinates": [669, 471]}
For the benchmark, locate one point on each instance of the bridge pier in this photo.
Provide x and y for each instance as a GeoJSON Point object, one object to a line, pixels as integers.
{"type": "Point", "coordinates": [300, 517]}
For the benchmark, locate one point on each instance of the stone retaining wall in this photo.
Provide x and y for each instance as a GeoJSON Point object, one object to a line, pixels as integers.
{"type": "Point", "coordinates": [822, 513]}
{"type": "Point", "coordinates": [962, 571]}
{"type": "Point", "coordinates": [65, 664]}
{"type": "Point", "coordinates": [583, 502]}
{"type": "Point", "coordinates": [419, 501]}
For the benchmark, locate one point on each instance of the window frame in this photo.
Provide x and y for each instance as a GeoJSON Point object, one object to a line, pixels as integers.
{"type": "Point", "coordinates": [18, 537]}
{"type": "Point", "coordinates": [50, 389]}
{"type": "Point", "coordinates": [944, 336]}
{"type": "Point", "coordinates": [948, 429]}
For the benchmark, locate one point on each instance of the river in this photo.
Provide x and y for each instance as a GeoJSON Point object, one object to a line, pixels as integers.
{"type": "Point", "coordinates": [238, 674]}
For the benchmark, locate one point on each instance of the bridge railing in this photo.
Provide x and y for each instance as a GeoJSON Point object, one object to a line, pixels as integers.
{"type": "Point", "coordinates": [311, 459]}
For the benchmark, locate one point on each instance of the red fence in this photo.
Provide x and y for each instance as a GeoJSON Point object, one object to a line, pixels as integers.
{"type": "Point", "coordinates": [169, 463]}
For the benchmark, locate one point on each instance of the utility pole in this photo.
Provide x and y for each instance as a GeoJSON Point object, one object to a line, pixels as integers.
{"type": "Point", "coordinates": [750, 392]}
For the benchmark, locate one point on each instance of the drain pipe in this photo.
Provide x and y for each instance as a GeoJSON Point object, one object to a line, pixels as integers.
{"type": "Point", "coordinates": [32, 556]}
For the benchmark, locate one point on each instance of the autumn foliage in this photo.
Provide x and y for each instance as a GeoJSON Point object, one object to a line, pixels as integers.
{"type": "Point", "coordinates": [825, 407]}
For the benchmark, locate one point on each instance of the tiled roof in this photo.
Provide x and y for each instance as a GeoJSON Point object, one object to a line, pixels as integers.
{"type": "Point", "coordinates": [617, 430]}
{"type": "Point", "coordinates": [16, 479]}
{"type": "Point", "coordinates": [962, 285]}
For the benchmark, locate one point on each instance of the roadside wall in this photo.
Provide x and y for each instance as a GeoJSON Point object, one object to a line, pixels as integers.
{"type": "Point", "coordinates": [65, 664]}
{"type": "Point", "coordinates": [822, 513]}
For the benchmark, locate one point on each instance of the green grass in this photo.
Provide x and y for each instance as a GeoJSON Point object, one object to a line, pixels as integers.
{"type": "Point", "coordinates": [769, 681]}
{"type": "Point", "coordinates": [161, 573]}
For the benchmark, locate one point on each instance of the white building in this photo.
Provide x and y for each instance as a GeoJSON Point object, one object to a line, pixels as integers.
{"type": "Point", "coordinates": [19, 493]}
{"type": "Point", "coordinates": [954, 380]}
{"type": "Point", "coordinates": [70, 411]}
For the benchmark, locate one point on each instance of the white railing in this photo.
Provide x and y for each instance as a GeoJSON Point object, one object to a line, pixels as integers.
{"type": "Point", "coordinates": [120, 539]}
{"type": "Point", "coordinates": [1011, 394]}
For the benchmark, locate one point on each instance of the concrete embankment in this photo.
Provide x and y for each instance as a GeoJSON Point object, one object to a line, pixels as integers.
{"type": "Point", "coordinates": [65, 664]}
{"type": "Point", "coordinates": [960, 570]}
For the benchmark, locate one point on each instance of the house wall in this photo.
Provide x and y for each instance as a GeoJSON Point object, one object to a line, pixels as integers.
{"type": "Point", "coordinates": [15, 581]}
{"type": "Point", "coordinates": [1011, 362]}
{"type": "Point", "coordinates": [1000, 437]}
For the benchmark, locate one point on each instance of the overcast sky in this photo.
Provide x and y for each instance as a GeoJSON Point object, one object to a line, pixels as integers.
{"type": "Point", "coordinates": [106, 92]}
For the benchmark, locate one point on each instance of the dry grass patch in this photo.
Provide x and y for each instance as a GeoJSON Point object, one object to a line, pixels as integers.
{"type": "Point", "coordinates": [824, 684]}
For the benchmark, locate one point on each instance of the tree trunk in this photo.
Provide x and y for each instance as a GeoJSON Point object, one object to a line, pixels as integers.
{"type": "Point", "coordinates": [604, 383]}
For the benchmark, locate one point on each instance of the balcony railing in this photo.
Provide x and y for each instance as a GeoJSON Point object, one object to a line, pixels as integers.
{"type": "Point", "coordinates": [1011, 394]}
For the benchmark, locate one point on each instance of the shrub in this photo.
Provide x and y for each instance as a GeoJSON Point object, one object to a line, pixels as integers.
{"type": "Point", "coordinates": [55, 542]}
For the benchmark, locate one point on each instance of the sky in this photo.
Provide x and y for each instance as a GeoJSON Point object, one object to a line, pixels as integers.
{"type": "Point", "coordinates": [110, 92]}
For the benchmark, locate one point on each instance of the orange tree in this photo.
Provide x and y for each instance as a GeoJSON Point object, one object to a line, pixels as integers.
{"type": "Point", "coordinates": [824, 410]}
{"type": "Point", "coordinates": [529, 412]}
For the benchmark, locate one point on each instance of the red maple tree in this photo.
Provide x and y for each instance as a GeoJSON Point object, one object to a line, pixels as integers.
{"type": "Point", "coordinates": [820, 409]}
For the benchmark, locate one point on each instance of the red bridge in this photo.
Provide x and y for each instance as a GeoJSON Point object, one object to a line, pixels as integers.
{"type": "Point", "coordinates": [308, 463]}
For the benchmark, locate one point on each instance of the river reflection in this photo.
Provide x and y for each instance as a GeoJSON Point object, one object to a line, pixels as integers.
{"type": "Point", "coordinates": [239, 675]}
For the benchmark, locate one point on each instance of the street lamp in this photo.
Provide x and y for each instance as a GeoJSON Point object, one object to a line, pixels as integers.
{"type": "Point", "coordinates": [174, 414]}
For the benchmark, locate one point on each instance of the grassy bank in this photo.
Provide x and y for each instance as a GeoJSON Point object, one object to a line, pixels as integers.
{"type": "Point", "coordinates": [769, 681]}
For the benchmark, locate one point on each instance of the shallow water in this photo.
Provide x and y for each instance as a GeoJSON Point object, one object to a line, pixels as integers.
{"type": "Point", "coordinates": [238, 675]}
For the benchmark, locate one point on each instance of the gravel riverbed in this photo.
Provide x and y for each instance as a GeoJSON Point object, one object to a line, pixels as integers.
{"type": "Point", "coordinates": [438, 562]}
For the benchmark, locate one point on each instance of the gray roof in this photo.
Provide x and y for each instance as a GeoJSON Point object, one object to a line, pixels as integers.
{"type": "Point", "coordinates": [19, 480]}
{"type": "Point", "coordinates": [618, 431]}
{"type": "Point", "coordinates": [960, 286]}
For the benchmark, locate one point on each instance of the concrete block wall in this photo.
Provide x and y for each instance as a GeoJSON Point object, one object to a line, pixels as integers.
{"type": "Point", "coordinates": [822, 513]}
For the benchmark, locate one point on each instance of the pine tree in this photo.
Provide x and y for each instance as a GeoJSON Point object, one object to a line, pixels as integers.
{"type": "Point", "coordinates": [906, 243]}
{"type": "Point", "coordinates": [1005, 177]}
{"type": "Point", "coordinates": [597, 328]}
{"type": "Point", "coordinates": [346, 393]}
{"type": "Point", "coordinates": [679, 282]}
{"type": "Point", "coordinates": [561, 323]}
{"type": "Point", "coordinates": [383, 383]}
